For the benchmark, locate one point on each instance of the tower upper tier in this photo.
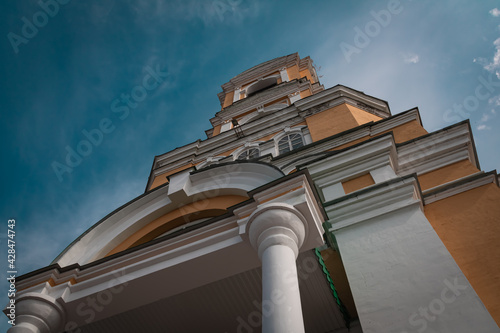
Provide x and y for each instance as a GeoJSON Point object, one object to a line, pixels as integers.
{"type": "Point", "coordinates": [286, 79]}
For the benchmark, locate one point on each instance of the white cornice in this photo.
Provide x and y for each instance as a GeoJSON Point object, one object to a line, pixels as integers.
{"type": "Point", "coordinates": [376, 200]}
{"type": "Point", "coordinates": [257, 72]}
{"type": "Point", "coordinates": [265, 126]}
{"type": "Point", "coordinates": [223, 142]}
{"type": "Point", "coordinates": [436, 150]}
{"type": "Point", "coordinates": [325, 96]}
{"type": "Point", "coordinates": [458, 186]}
{"type": "Point", "coordinates": [261, 70]}
{"type": "Point", "coordinates": [402, 118]}
{"type": "Point", "coordinates": [262, 98]}
{"type": "Point", "coordinates": [354, 161]}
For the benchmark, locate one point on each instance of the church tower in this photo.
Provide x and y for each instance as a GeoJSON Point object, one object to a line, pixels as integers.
{"type": "Point", "coordinates": [304, 209]}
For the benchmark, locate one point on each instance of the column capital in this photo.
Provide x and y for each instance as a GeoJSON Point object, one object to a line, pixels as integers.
{"type": "Point", "coordinates": [38, 313]}
{"type": "Point", "coordinates": [276, 224]}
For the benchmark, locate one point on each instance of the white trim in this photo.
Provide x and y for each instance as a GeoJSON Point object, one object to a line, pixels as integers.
{"type": "Point", "coordinates": [219, 143]}
{"type": "Point", "coordinates": [436, 151]}
{"type": "Point", "coordinates": [226, 126]}
{"type": "Point", "coordinates": [234, 179]}
{"type": "Point", "coordinates": [370, 204]}
{"type": "Point", "coordinates": [294, 97]}
{"type": "Point", "coordinates": [209, 161]}
{"type": "Point", "coordinates": [247, 146]}
{"type": "Point", "coordinates": [261, 70]}
{"type": "Point", "coordinates": [284, 75]}
{"type": "Point", "coordinates": [265, 97]}
{"type": "Point", "coordinates": [355, 162]}
{"type": "Point", "coordinates": [261, 111]}
{"type": "Point", "coordinates": [288, 131]}
{"type": "Point", "coordinates": [378, 105]}
{"type": "Point", "coordinates": [236, 96]}
{"type": "Point", "coordinates": [460, 188]}
{"type": "Point", "coordinates": [276, 77]}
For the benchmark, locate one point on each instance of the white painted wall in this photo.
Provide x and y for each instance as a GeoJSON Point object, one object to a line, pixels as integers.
{"type": "Point", "coordinates": [403, 279]}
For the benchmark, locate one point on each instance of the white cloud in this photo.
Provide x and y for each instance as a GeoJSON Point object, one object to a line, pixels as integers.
{"type": "Point", "coordinates": [481, 61]}
{"type": "Point", "coordinates": [494, 101]}
{"type": "Point", "coordinates": [483, 127]}
{"type": "Point", "coordinates": [411, 58]}
{"type": "Point", "coordinates": [485, 118]}
{"type": "Point", "coordinates": [495, 12]}
{"type": "Point", "coordinates": [494, 66]}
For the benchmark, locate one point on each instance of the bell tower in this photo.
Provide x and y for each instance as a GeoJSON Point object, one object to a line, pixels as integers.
{"type": "Point", "coordinates": [271, 85]}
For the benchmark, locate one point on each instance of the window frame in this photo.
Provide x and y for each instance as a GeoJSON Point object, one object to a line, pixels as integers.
{"type": "Point", "coordinates": [288, 134]}
{"type": "Point", "coordinates": [248, 155]}
{"type": "Point", "coordinates": [289, 140]}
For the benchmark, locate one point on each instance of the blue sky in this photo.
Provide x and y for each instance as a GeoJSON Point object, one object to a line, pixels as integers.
{"type": "Point", "coordinates": [64, 79]}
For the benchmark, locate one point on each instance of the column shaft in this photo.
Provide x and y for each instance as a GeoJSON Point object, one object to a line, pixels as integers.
{"type": "Point", "coordinates": [282, 309]}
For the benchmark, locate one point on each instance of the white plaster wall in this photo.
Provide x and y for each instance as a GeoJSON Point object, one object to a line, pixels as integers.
{"type": "Point", "coordinates": [400, 272]}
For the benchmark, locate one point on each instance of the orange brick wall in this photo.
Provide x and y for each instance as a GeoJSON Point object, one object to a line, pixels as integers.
{"type": "Point", "coordinates": [469, 226]}
{"type": "Point", "coordinates": [357, 183]}
{"type": "Point", "coordinates": [336, 120]}
{"type": "Point", "coordinates": [446, 174]}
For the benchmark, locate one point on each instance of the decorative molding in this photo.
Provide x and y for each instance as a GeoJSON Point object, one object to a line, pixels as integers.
{"type": "Point", "coordinates": [435, 150]}
{"type": "Point", "coordinates": [448, 146]}
{"type": "Point", "coordinates": [246, 146]}
{"type": "Point", "coordinates": [329, 170]}
{"type": "Point", "coordinates": [37, 312]}
{"type": "Point", "coordinates": [219, 142]}
{"type": "Point", "coordinates": [458, 186]}
{"type": "Point", "coordinates": [256, 72]}
{"type": "Point", "coordinates": [229, 179]}
{"type": "Point", "coordinates": [284, 75]}
{"type": "Point", "coordinates": [262, 98]}
{"type": "Point", "coordinates": [377, 200]}
{"type": "Point", "coordinates": [338, 91]}
{"type": "Point", "coordinates": [276, 224]}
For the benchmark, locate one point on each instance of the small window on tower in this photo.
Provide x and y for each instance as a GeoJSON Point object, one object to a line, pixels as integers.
{"type": "Point", "coordinates": [290, 142]}
{"type": "Point", "coordinates": [248, 154]}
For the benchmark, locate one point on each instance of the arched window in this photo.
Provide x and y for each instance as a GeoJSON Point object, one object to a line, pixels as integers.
{"type": "Point", "coordinates": [261, 85]}
{"type": "Point", "coordinates": [290, 142]}
{"type": "Point", "coordinates": [248, 154]}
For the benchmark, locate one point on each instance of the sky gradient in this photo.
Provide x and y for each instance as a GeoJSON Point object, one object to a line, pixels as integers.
{"type": "Point", "coordinates": [67, 78]}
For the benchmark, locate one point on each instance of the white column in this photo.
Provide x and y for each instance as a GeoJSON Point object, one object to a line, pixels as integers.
{"type": "Point", "coordinates": [236, 96]}
{"type": "Point", "coordinates": [294, 97]}
{"type": "Point", "coordinates": [38, 313]}
{"type": "Point", "coordinates": [284, 75]}
{"type": "Point", "coordinates": [277, 232]}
